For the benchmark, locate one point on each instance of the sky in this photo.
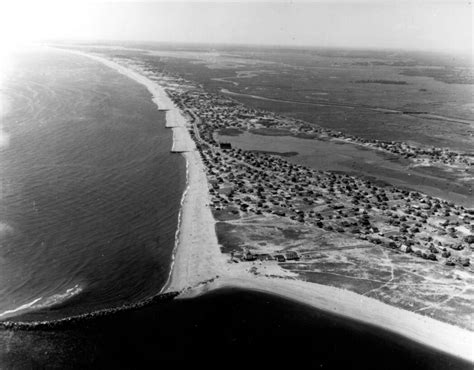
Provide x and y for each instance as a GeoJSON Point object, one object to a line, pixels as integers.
{"type": "Point", "coordinates": [416, 24]}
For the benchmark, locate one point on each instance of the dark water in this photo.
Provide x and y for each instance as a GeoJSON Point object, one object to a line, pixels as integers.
{"type": "Point", "coordinates": [224, 329]}
{"type": "Point", "coordinates": [89, 190]}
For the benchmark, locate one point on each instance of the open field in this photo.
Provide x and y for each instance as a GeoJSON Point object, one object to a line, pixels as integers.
{"type": "Point", "coordinates": [348, 263]}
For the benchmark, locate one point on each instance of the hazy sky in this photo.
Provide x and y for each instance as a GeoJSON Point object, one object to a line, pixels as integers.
{"type": "Point", "coordinates": [445, 25]}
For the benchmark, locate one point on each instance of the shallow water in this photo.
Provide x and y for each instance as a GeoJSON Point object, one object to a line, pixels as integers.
{"type": "Point", "coordinates": [89, 189]}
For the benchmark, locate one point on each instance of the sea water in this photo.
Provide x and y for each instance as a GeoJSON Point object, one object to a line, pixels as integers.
{"type": "Point", "coordinates": [89, 191]}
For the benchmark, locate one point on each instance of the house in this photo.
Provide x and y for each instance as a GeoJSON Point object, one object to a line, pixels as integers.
{"type": "Point", "coordinates": [457, 247]}
{"type": "Point", "coordinates": [374, 240]}
{"type": "Point", "coordinates": [389, 244]}
{"type": "Point", "coordinates": [249, 256]}
{"type": "Point", "coordinates": [291, 255]}
{"type": "Point", "coordinates": [405, 248]}
{"type": "Point", "coordinates": [264, 257]}
{"type": "Point", "coordinates": [280, 258]}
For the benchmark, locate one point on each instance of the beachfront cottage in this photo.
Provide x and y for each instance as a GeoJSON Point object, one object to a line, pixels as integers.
{"type": "Point", "coordinates": [280, 258]}
{"type": "Point", "coordinates": [249, 256]}
{"type": "Point", "coordinates": [405, 248]}
{"type": "Point", "coordinates": [292, 255]}
{"type": "Point", "coordinates": [264, 257]}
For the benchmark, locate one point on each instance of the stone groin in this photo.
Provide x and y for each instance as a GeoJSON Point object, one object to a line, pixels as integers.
{"type": "Point", "coordinates": [74, 321]}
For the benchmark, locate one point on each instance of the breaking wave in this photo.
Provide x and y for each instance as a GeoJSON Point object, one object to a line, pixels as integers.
{"type": "Point", "coordinates": [41, 302]}
{"type": "Point", "coordinates": [20, 308]}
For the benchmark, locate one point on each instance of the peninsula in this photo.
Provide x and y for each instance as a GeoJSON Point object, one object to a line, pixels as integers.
{"type": "Point", "coordinates": [256, 221]}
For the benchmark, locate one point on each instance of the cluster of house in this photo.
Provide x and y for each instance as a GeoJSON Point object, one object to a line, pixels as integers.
{"type": "Point", "coordinates": [432, 154]}
{"type": "Point", "coordinates": [244, 182]}
{"type": "Point", "coordinates": [397, 219]}
{"type": "Point", "coordinates": [215, 109]}
{"type": "Point", "coordinates": [247, 256]}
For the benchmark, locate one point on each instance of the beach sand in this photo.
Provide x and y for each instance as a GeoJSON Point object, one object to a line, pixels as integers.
{"type": "Point", "coordinates": [199, 266]}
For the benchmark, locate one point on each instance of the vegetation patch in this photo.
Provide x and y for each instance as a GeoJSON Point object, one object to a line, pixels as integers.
{"type": "Point", "coordinates": [284, 154]}
{"type": "Point", "coordinates": [303, 135]}
{"type": "Point", "coordinates": [384, 82]}
{"type": "Point", "coordinates": [446, 75]}
{"type": "Point", "coordinates": [230, 131]}
{"type": "Point", "coordinates": [292, 234]}
{"type": "Point", "coordinates": [345, 282]}
{"type": "Point", "coordinates": [228, 238]}
{"type": "Point", "coordinates": [226, 214]}
{"type": "Point", "coordinates": [271, 132]}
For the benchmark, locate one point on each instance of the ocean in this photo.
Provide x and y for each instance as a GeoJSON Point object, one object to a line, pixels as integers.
{"type": "Point", "coordinates": [89, 200]}
{"type": "Point", "coordinates": [90, 192]}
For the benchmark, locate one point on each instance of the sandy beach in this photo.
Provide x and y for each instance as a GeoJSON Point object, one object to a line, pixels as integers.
{"type": "Point", "coordinates": [199, 266]}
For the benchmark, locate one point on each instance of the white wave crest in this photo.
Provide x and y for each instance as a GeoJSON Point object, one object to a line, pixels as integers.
{"type": "Point", "coordinates": [20, 308]}
{"type": "Point", "coordinates": [41, 302]}
{"type": "Point", "coordinates": [59, 298]}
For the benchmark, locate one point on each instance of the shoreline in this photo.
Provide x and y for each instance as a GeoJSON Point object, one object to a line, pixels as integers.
{"type": "Point", "coordinates": [177, 233]}
{"type": "Point", "coordinates": [198, 265]}
{"type": "Point", "coordinates": [191, 264]}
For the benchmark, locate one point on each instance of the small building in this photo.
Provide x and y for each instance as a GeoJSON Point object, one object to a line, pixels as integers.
{"type": "Point", "coordinates": [249, 256]}
{"type": "Point", "coordinates": [264, 257]}
{"type": "Point", "coordinates": [405, 248]}
{"type": "Point", "coordinates": [292, 255]}
{"type": "Point", "coordinates": [457, 247]}
{"type": "Point", "coordinates": [280, 258]}
{"type": "Point", "coordinates": [389, 244]}
{"type": "Point", "coordinates": [449, 262]}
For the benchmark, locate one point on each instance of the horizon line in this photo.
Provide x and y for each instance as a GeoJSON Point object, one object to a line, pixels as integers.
{"type": "Point", "coordinates": [465, 53]}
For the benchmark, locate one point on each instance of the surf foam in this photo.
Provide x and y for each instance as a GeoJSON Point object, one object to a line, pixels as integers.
{"type": "Point", "coordinates": [41, 302]}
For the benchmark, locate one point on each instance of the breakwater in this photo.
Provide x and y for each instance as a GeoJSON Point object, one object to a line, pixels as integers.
{"type": "Point", "coordinates": [74, 321]}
